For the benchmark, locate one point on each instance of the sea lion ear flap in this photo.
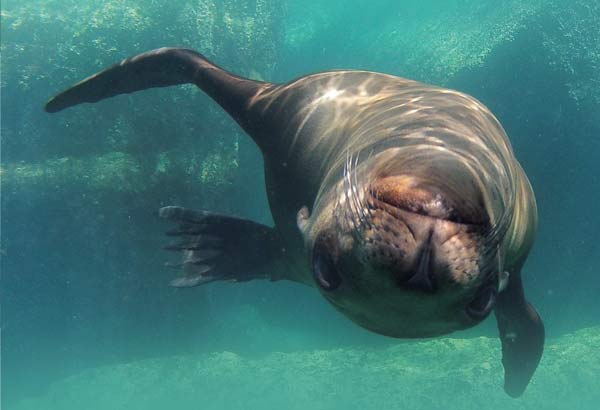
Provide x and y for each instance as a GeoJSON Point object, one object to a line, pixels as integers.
{"type": "Point", "coordinates": [302, 219]}
{"type": "Point", "coordinates": [522, 335]}
{"type": "Point", "coordinates": [304, 224]}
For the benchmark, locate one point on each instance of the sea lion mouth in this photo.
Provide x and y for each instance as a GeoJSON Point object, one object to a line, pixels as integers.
{"type": "Point", "coordinates": [423, 278]}
{"type": "Point", "coordinates": [406, 243]}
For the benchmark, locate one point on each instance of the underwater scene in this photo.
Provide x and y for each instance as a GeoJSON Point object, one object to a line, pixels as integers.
{"type": "Point", "coordinates": [369, 178]}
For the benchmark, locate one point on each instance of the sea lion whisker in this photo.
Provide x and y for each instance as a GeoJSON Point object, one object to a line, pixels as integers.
{"type": "Point", "coordinates": [346, 207]}
{"type": "Point", "coordinates": [356, 204]}
{"type": "Point", "coordinates": [350, 206]}
{"type": "Point", "coordinates": [499, 229]}
{"type": "Point", "coordinates": [361, 201]}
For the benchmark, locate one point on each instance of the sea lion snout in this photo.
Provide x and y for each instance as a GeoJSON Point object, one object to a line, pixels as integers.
{"type": "Point", "coordinates": [422, 252]}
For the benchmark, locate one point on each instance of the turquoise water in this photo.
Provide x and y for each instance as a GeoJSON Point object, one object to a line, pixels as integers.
{"type": "Point", "coordinates": [87, 317]}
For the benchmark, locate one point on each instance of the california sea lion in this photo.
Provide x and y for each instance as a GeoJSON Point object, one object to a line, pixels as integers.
{"type": "Point", "coordinates": [401, 202]}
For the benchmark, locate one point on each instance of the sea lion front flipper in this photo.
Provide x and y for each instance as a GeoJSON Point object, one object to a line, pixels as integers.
{"type": "Point", "coordinates": [522, 335]}
{"type": "Point", "coordinates": [220, 247]}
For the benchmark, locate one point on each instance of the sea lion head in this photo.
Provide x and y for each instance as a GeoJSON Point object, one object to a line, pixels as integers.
{"type": "Point", "coordinates": [406, 242]}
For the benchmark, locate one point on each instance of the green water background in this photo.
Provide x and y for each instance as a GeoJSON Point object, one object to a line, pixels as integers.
{"type": "Point", "coordinates": [83, 288]}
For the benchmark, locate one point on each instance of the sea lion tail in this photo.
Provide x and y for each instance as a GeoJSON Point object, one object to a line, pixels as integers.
{"type": "Point", "coordinates": [162, 67]}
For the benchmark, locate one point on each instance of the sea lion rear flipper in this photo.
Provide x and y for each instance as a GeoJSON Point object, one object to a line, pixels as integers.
{"type": "Point", "coordinates": [219, 247]}
{"type": "Point", "coordinates": [522, 335]}
{"type": "Point", "coordinates": [162, 67]}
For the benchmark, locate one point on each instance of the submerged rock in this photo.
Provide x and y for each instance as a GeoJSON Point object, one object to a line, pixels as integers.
{"type": "Point", "coordinates": [436, 374]}
{"type": "Point", "coordinates": [122, 172]}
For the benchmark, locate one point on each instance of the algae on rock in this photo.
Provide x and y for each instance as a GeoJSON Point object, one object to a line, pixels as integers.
{"type": "Point", "coordinates": [114, 171]}
{"type": "Point", "coordinates": [122, 172]}
{"type": "Point", "coordinates": [436, 374]}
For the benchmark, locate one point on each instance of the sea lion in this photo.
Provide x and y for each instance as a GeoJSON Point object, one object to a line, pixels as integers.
{"type": "Point", "coordinates": [401, 202]}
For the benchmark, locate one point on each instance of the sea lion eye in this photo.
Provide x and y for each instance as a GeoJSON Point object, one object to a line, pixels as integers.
{"type": "Point", "coordinates": [324, 269]}
{"type": "Point", "coordinates": [483, 304]}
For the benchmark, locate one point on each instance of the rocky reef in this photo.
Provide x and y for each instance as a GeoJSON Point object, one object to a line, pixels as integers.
{"type": "Point", "coordinates": [49, 45]}
{"type": "Point", "coordinates": [438, 374]}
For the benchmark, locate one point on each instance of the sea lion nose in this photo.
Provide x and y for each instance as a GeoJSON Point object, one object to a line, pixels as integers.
{"type": "Point", "coordinates": [423, 278]}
